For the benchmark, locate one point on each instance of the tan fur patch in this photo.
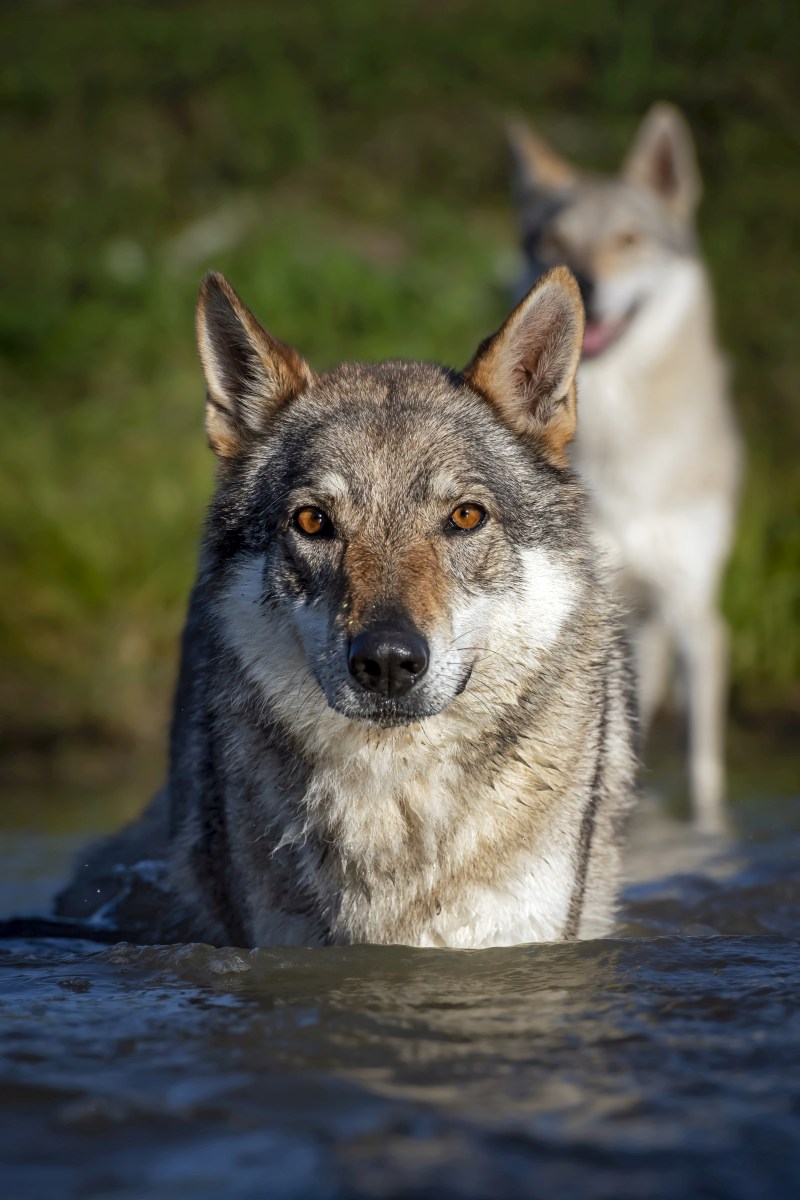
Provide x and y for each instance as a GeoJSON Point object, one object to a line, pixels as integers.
{"type": "Point", "coordinates": [422, 583]}
{"type": "Point", "coordinates": [410, 580]}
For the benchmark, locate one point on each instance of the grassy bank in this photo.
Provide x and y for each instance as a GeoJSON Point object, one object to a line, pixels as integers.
{"type": "Point", "coordinates": [344, 165]}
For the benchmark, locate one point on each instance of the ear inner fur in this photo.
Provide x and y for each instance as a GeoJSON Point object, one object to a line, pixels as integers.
{"type": "Point", "coordinates": [527, 369]}
{"type": "Point", "coordinates": [249, 373]}
{"type": "Point", "coordinates": [662, 158]}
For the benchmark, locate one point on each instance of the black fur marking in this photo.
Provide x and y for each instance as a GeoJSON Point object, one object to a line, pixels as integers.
{"type": "Point", "coordinates": [631, 692]}
{"type": "Point", "coordinates": [588, 826]}
{"type": "Point", "coordinates": [193, 642]}
{"type": "Point", "coordinates": [211, 856]}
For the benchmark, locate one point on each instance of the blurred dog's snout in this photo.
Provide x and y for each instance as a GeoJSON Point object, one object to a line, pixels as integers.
{"type": "Point", "coordinates": [388, 660]}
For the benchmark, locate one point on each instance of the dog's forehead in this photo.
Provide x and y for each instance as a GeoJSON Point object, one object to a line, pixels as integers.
{"type": "Point", "coordinates": [605, 203]}
{"type": "Point", "coordinates": [603, 207]}
{"type": "Point", "coordinates": [403, 426]}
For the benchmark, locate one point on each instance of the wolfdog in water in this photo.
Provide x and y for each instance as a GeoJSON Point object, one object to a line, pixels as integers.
{"type": "Point", "coordinates": [404, 711]}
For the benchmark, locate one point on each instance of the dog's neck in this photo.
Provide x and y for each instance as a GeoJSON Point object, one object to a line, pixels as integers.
{"type": "Point", "coordinates": [387, 830]}
{"type": "Point", "coordinates": [678, 312]}
{"type": "Point", "coordinates": [375, 794]}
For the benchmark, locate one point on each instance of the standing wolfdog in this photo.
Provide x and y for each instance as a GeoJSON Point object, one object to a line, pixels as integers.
{"type": "Point", "coordinates": [403, 712]}
{"type": "Point", "coordinates": [658, 446]}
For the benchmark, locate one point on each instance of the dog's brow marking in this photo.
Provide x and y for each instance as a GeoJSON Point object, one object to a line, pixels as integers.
{"type": "Point", "coordinates": [448, 487]}
{"type": "Point", "coordinates": [332, 484]}
{"type": "Point", "coordinates": [444, 486]}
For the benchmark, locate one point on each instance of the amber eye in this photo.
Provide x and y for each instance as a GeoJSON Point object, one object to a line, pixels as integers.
{"type": "Point", "coordinates": [467, 517]}
{"type": "Point", "coordinates": [313, 522]}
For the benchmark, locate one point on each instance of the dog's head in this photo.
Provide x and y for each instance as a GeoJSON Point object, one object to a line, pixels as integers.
{"type": "Point", "coordinates": [620, 234]}
{"type": "Point", "coordinates": [383, 531]}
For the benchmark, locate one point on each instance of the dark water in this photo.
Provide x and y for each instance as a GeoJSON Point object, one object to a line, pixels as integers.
{"type": "Point", "coordinates": [662, 1063]}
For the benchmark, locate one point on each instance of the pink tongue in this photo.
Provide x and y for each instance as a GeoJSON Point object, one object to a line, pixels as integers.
{"type": "Point", "coordinates": [598, 335]}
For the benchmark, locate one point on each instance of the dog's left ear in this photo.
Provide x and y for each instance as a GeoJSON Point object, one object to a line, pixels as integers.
{"type": "Point", "coordinates": [527, 369]}
{"type": "Point", "coordinates": [662, 158]}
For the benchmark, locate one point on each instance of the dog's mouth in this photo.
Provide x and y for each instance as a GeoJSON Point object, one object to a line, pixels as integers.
{"type": "Point", "coordinates": [385, 713]}
{"type": "Point", "coordinates": [600, 335]}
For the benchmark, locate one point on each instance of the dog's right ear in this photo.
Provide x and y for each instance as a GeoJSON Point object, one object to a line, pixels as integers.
{"type": "Point", "coordinates": [535, 164]}
{"type": "Point", "coordinates": [249, 373]}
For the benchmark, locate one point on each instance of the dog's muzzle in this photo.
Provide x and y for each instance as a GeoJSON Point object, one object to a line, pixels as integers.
{"type": "Point", "coordinates": [388, 660]}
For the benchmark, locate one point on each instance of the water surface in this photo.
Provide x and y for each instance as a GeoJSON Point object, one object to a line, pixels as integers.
{"type": "Point", "coordinates": [664, 1062]}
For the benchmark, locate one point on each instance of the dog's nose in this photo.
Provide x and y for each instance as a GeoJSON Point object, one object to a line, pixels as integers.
{"type": "Point", "coordinates": [388, 659]}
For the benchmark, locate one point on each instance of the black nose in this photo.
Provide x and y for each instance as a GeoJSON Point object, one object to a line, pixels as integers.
{"type": "Point", "coordinates": [388, 659]}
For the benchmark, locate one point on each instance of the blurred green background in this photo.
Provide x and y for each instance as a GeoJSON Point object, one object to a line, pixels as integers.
{"type": "Point", "coordinates": [344, 164]}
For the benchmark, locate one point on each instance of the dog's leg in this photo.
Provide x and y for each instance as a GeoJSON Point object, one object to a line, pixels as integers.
{"type": "Point", "coordinates": [653, 660]}
{"type": "Point", "coordinates": [703, 647]}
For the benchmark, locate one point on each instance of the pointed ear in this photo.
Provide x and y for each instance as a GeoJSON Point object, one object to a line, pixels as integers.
{"type": "Point", "coordinates": [249, 373]}
{"type": "Point", "coordinates": [527, 369]}
{"type": "Point", "coordinates": [662, 158]}
{"type": "Point", "coordinates": [535, 164]}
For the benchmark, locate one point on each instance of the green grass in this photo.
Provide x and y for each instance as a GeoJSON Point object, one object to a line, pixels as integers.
{"type": "Point", "coordinates": [351, 161]}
